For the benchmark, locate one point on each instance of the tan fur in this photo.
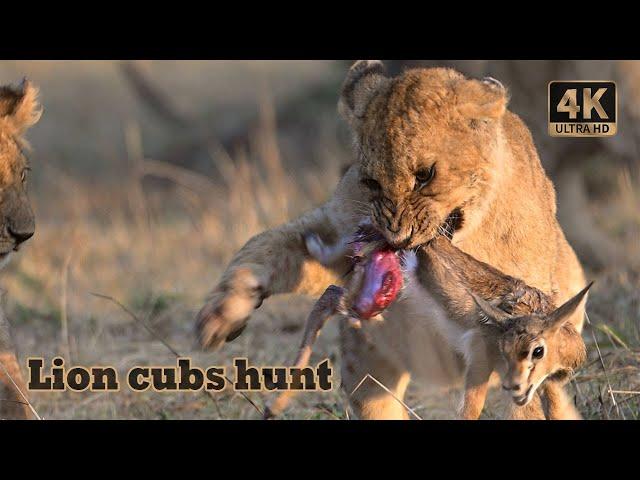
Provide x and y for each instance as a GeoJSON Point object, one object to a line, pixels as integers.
{"type": "Point", "coordinates": [486, 165]}
{"type": "Point", "coordinates": [19, 110]}
{"type": "Point", "coordinates": [12, 405]}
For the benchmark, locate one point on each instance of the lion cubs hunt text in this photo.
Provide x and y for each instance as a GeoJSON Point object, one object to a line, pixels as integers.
{"type": "Point", "coordinates": [181, 377]}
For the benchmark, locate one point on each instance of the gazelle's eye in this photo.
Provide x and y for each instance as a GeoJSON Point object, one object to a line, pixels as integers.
{"type": "Point", "coordinates": [538, 353]}
{"type": "Point", "coordinates": [371, 184]}
{"type": "Point", "coordinates": [424, 177]}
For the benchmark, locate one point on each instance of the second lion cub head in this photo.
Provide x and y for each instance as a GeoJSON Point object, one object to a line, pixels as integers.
{"type": "Point", "coordinates": [427, 142]}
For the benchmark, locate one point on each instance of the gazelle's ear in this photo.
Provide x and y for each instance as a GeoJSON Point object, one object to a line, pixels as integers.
{"type": "Point", "coordinates": [560, 315]}
{"type": "Point", "coordinates": [364, 80]}
{"type": "Point", "coordinates": [19, 106]}
{"type": "Point", "coordinates": [490, 315]}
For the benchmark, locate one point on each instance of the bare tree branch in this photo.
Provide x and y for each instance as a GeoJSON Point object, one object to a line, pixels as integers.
{"type": "Point", "coordinates": [152, 96]}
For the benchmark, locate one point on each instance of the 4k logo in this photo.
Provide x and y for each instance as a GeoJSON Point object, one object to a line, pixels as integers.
{"type": "Point", "coordinates": [582, 109]}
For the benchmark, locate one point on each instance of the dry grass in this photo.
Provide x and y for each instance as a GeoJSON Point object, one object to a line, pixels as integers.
{"type": "Point", "coordinates": [107, 225]}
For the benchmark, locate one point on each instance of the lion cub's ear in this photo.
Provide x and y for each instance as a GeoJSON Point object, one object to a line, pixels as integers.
{"type": "Point", "coordinates": [364, 80]}
{"type": "Point", "coordinates": [19, 106]}
{"type": "Point", "coordinates": [482, 100]}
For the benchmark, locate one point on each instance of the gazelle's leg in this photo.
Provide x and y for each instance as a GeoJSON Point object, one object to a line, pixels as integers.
{"type": "Point", "coordinates": [327, 305]}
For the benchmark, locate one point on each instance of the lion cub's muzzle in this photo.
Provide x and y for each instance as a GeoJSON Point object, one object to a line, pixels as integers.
{"type": "Point", "coordinates": [409, 237]}
{"type": "Point", "coordinates": [399, 241]}
{"type": "Point", "coordinates": [19, 223]}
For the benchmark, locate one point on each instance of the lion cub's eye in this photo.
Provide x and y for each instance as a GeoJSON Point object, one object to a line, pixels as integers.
{"type": "Point", "coordinates": [424, 177]}
{"type": "Point", "coordinates": [371, 184]}
{"type": "Point", "coordinates": [538, 352]}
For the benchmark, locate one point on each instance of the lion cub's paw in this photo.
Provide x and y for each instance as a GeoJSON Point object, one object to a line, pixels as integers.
{"type": "Point", "coordinates": [226, 313]}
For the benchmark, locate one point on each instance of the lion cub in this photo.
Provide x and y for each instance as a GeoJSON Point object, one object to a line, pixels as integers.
{"type": "Point", "coordinates": [19, 110]}
{"type": "Point", "coordinates": [499, 324]}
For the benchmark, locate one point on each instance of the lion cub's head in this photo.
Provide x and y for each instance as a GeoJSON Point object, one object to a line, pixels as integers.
{"type": "Point", "coordinates": [426, 142]}
{"type": "Point", "coordinates": [18, 111]}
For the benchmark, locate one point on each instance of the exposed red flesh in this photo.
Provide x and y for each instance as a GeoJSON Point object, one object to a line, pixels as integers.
{"type": "Point", "coordinates": [380, 286]}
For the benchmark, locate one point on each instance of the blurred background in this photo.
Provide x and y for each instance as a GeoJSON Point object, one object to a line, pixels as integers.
{"type": "Point", "coordinates": [148, 176]}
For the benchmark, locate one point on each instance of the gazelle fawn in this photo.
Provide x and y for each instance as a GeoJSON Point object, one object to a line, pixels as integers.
{"type": "Point", "coordinates": [497, 323]}
{"type": "Point", "coordinates": [502, 325]}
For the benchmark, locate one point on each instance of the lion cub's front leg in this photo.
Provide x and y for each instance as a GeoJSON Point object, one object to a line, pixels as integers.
{"type": "Point", "coordinates": [273, 262]}
{"type": "Point", "coordinates": [278, 261]}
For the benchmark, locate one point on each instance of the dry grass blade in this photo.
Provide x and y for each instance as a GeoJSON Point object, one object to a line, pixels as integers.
{"type": "Point", "coordinates": [175, 352]}
{"type": "Point", "coordinates": [613, 336]}
{"type": "Point", "coordinates": [137, 319]}
{"type": "Point", "coordinates": [327, 411]}
{"type": "Point", "coordinates": [64, 318]}
{"type": "Point", "coordinates": [135, 154]}
{"type": "Point", "coordinates": [604, 369]}
{"type": "Point", "coordinates": [7, 400]}
{"type": "Point", "coordinates": [179, 175]}
{"type": "Point", "coordinates": [381, 385]}
{"type": "Point", "coordinates": [24, 397]}
{"type": "Point", "coordinates": [625, 392]}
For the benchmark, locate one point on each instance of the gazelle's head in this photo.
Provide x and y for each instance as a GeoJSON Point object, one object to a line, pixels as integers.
{"type": "Point", "coordinates": [535, 347]}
